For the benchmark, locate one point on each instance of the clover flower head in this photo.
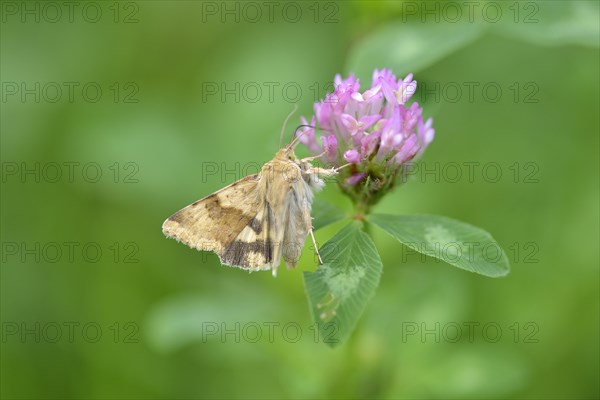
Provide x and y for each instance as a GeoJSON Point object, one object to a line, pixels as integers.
{"type": "Point", "coordinates": [374, 130]}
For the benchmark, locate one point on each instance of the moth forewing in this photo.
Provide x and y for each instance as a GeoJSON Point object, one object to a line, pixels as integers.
{"type": "Point", "coordinates": [214, 222]}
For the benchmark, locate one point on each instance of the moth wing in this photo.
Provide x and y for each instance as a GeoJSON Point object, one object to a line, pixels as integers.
{"type": "Point", "coordinates": [233, 222]}
{"type": "Point", "coordinates": [213, 222]}
{"type": "Point", "coordinates": [298, 224]}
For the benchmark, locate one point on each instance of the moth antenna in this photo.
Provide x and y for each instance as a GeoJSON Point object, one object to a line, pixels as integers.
{"type": "Point", "coordinates": [285, 123]}
{"type": "Point", "coordinates": [296, 136]}
{"type": "Point", "coordinates": [311, 158]}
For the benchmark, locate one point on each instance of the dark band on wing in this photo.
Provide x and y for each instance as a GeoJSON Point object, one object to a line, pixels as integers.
{"type": "Point", "coordinates": [240, 253]}
{"type": "Point", "coordinates": [255, 225]}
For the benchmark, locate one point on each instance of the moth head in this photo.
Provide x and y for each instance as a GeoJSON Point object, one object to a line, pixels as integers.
{"type": "Point", "coordinates": [286, 154]}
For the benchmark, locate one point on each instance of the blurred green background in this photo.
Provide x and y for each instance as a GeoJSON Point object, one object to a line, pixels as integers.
{"type": "Point", "coordinates": [150, 318]}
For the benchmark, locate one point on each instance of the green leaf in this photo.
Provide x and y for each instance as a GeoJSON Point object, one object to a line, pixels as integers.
{"type": "Point", "coordinates": [459, 244]}
{"type": "Point", "coordinates": [409, 47]}
{"type": "Point", "coordinates": [340, 288]}
{"type": "Point", "coordinates": [552, 23]}
{"type": "Point", "coordinates": [325, 214]}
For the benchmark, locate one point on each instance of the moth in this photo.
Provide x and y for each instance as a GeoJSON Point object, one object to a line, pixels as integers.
{"type": "Point", "coordinates": [255, 221]}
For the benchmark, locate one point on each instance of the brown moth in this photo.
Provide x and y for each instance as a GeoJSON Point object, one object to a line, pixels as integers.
{"type": "Point", "coordinates": [253, 222]}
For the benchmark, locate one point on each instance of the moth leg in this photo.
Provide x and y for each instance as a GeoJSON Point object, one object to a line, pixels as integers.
{"type": "Point", "coordinates": [312, 236]}
{"type": "Point", "coordinates": [322, 171]}
{"type": "Point", "coordinates": [343, 166]}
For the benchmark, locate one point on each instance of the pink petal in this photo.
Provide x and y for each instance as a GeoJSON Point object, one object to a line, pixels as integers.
{"type": "Point", "coordinates": [354, 179]}
{"type": "Point", "coordinates": [352, 156]}
{"type": "Point", "coordinates": [349, 122]}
